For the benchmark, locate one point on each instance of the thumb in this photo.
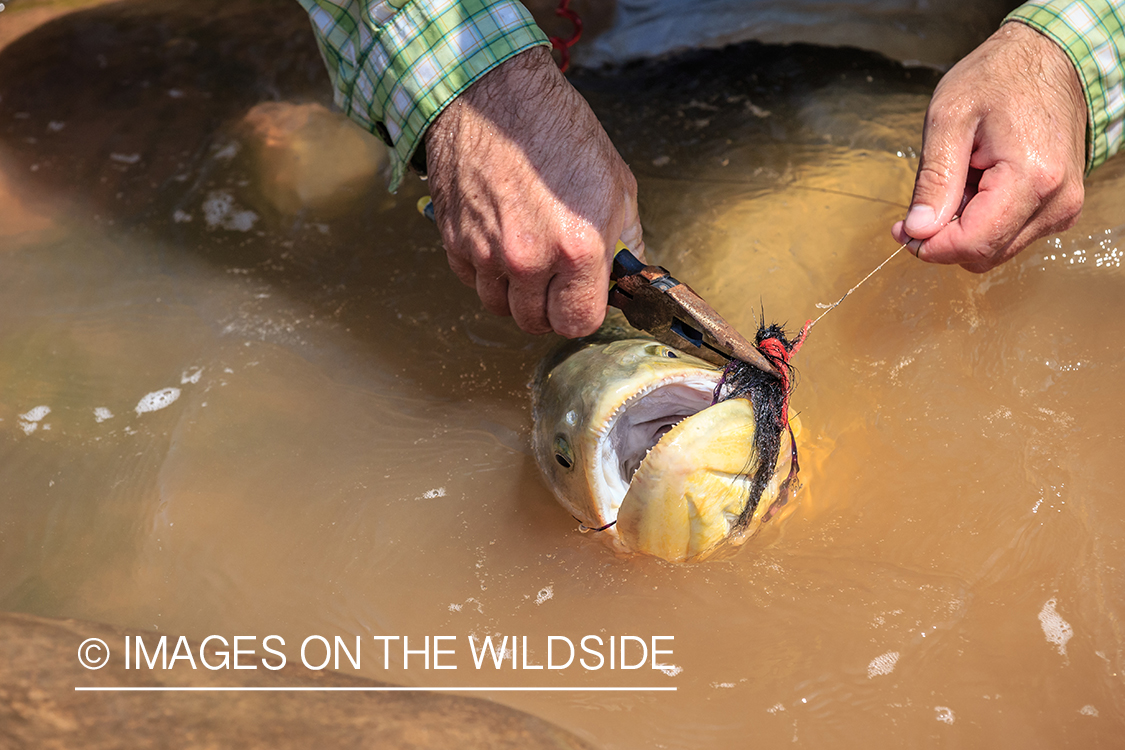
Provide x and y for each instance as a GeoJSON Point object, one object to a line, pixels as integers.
{"type": "Point", "coordinates": [947, 146]}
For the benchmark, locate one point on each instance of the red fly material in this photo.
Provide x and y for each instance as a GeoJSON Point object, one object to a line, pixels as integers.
{"type": "Point", "coordinates": [773, 344]}
{"type": "Point", "coordinates": [563, 45]}
{"type": "Point", "coordinates": [769, 397]}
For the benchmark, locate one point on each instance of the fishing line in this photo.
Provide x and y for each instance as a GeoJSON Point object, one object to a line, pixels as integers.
{"type": "Point", "coordinates": [779, 350]}
{"type": "Point", "coordinates": [810, 324]}
{"type": "Point", "coordinates": [753, 184]}
{"type": "Point", "coordinates": [833, 306]}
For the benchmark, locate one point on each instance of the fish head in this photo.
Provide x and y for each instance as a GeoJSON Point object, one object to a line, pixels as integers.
{"type": "Point", "coordinates": [629, 439]}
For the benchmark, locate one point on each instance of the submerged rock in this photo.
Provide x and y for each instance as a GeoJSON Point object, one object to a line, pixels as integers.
{"type": "Point", "coordinates": [307, 157]}
{"type": "Point", "coordinates": [123, 107]}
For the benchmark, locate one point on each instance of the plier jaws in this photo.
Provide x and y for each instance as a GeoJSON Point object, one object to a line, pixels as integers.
{"type": "Point", "coordinates": [670, 311]}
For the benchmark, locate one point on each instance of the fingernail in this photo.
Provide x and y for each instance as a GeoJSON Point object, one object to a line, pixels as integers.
{"type": "Point", "coordinates": [919, 218]}
{"type": "Point", "coordinates": [914, 246]}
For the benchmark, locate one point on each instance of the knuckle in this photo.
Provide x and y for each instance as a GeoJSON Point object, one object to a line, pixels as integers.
{"type": "Point", "coordinates": [980, 256]}
{"type": "Point", "coordinates": [932, 182]}
{"type": "Point", "coordinates": [948, 106]}
{"type": "Point", "coordinates": [1071, 200]}
{"type": "Point", "coordinates": [1064, 205]}
{"type": "Point", "coordinates": [577, 311]}
{"type": "Point", "coordinates": [1050, 178]}
{"type": "Point", "coordinates": [948, 110]}
{"type": "Point", "coordinates": [530, 311]}
{"type": "Point", "coordinates": [1067, 222]}
{"type": "Point", "coordinates": [932, 174]}
{"type": "Point", "coordinates": [582, 251]}
{"type": "Point", "coordinates": [524, 260]}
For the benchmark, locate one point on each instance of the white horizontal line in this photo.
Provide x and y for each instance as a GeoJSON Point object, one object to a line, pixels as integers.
{"type": "Point", "coordinates": [393, 689]}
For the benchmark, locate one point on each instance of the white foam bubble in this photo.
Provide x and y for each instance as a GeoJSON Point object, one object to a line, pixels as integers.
{"type": "Point", "coordinates": [240, 221]}
{"type": "Point", "coordinates": [125, 158]}
{"type": "Point", "coordinates": [101, 414]}
{"type": "Point", "coordinates": [671, 669]}
{"type": "Point", "coordinates": [545, 593]}
{"type": "Point", "coordinates": [180, 217]}
{"type": "Point", "coordinates": [944, 714]}
{"type": "Point", "coordinates": [157, 400]}
{"type": "Point", "coordinates": [882, 664]}
{"type": "Point", "coordinates": [1088, 710]}
{"type": "Point", "coordinates": [216, 206]}
{"type": "Point", "coordinates": [228, 151]}
{"type": "Point", "coordinates": [35, 414]}
{"type": "Point", "coordinates": [220, 212]}
{"type": "Point", "coordinates": [1057, 630]}
{"type": "Point", "coordinates": [191, 375]}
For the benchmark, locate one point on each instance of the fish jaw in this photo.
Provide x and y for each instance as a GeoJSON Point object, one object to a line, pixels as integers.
{"type": "Point", "coordinates": [630, 442]}
{"type": "Point", "coordinates": [592, 411]}
{"type": "Point", "coordinates": [686, 497]}
{"type": "Point", "coordinates": [636, 428]}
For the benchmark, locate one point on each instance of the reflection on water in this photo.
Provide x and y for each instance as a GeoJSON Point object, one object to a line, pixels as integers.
{"type": "Point", "coordinates": [347, 449]}
{"type": "Point", "coordinates": [932, 32]}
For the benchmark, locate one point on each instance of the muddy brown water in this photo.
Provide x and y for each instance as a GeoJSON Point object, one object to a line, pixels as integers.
{"type": "Point", "coordinates": [348, 450]}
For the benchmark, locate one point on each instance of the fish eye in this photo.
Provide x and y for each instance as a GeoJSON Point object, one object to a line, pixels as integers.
{"type": "Point", "coordinates": [659, 350]}
{"type": "Point", "coordinates": [562, 452]}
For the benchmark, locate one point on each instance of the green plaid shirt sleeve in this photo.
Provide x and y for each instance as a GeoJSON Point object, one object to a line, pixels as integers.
{"type": "Point", "coordinates": [1091, 32]}
{"type": "Point", "coordinates": [396, 64]}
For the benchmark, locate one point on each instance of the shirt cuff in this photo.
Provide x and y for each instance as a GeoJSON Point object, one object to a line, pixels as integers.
{"type": "Point", "coordinates": [1092, 34]}
{"type": "Point", "coordinates": [395, 74]}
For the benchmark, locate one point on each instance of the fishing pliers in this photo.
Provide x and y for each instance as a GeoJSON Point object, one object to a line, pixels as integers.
{"type": "Point", "coordinates": [670, 311]}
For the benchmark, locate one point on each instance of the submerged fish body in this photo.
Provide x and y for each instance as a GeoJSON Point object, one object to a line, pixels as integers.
{"type": "Point", "coordinates": [631, 441]}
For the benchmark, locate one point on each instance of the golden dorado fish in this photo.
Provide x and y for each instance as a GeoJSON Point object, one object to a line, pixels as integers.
{"type": "Point", "coordinates": [632, 442]}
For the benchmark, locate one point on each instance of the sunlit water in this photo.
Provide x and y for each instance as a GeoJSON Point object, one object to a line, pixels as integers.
{"type": "Point", "coordinates": [222, 418]}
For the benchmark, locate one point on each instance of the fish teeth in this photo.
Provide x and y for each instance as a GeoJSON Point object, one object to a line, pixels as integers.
{"type": "Point", "coordinates": [605, 505]}
{"type": "Point", "coordinates": [667, 380]}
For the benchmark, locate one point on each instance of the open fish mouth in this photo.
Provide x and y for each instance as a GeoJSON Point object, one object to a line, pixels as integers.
{"type": "Point", "coordinates": [632, 442]}
{"type": "Point", "coordinates": [678, 471]}
{"type": "Point", "coordinates": [636, 427]}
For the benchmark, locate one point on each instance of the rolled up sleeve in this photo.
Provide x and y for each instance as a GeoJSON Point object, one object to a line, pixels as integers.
{"type": "Point", "coordinates": [1092, 35]}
